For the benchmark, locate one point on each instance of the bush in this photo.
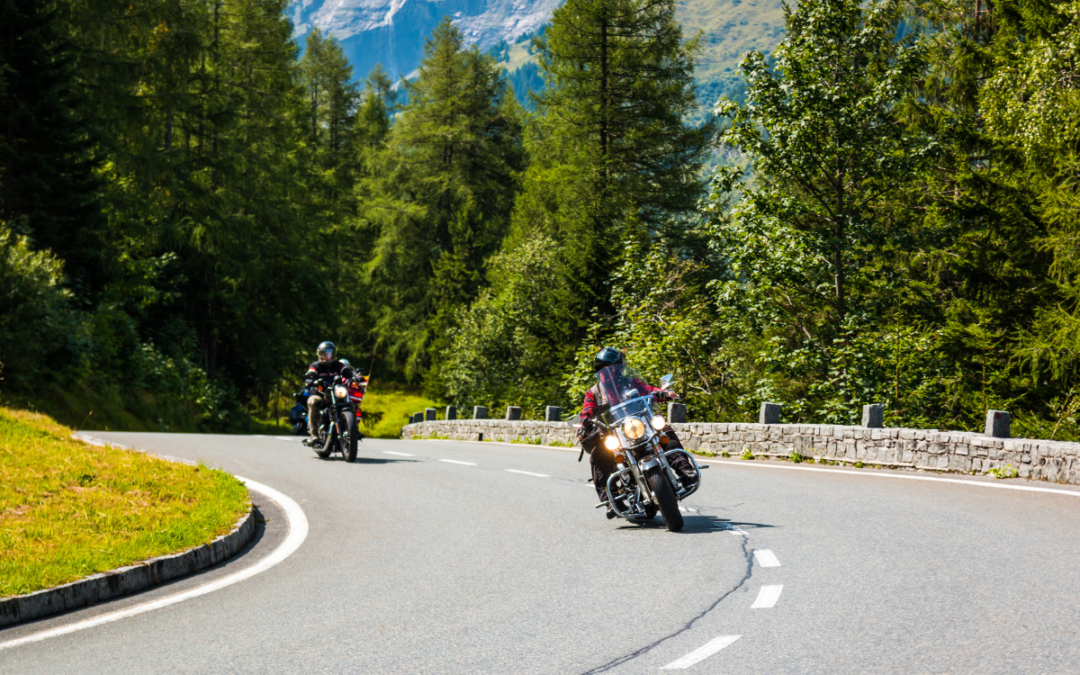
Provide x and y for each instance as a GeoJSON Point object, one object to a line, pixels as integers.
{"type": "Point", "coordinates": [34, 308]}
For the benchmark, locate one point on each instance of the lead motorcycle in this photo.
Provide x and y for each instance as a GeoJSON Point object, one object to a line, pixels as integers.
{"type": "Point", "coordinates": [339, 420]}
{"type": "Point", "coordinates": [643, 481]}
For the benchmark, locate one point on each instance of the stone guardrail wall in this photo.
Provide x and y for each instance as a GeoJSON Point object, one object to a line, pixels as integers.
{"type": "Point", "coordinates": [946, 451]}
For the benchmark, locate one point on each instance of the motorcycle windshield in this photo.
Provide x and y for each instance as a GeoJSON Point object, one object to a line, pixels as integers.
{"type": "Point", "coordinates": [617, 387]}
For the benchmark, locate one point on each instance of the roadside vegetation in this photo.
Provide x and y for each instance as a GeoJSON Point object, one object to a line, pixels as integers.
{"type": "Point", "coordinates": [386, 411]}
{"type": "Point", "coordinates": [69, 509]}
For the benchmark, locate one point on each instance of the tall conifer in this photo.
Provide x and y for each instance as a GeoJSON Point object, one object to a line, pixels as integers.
{"type": "Point", "coordinates": [47, 187]}
{"type": "Point", "coordinates": [439, 200]}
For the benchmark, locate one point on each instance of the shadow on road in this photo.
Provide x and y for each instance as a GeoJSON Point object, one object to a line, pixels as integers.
{"type": "Point", "coordinates": [695, 524]}
{"type": "Point", "coordinates": [365, 460]}
{"type": "Point", "coordinates": [725, 524]}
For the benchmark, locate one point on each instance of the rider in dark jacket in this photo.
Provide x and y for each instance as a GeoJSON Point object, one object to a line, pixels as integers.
{"type": "Point", "coordinates": [326, 370]}
{"type": "Point", "coordinates": [602, 460]}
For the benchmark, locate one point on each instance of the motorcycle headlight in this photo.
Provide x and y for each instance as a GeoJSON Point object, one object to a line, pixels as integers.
{"type": "Point", "coordinates": [611, 442]}
{"type": "Point", "coordinates": [658, 422]}
{"type": "Point", "coordinates": [633, 428]}
{"type": "Point", "coordinates": [341, 392]}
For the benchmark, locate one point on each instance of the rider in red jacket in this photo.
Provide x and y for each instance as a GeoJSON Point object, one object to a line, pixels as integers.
{"type": "Point", "coordinates": [601, 460]}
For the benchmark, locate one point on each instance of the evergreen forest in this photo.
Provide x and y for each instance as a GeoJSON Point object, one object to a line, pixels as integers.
{"type": "Point", "coordinates": [191, 200]}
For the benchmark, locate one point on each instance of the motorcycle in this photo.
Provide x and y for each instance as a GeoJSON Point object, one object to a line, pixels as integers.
{"type": "Point", "coordinates": [298, 413]}
{"type": "Point", "coordinates": [643, 481]}
{"type": "Point", "coordinates": [338, 421]}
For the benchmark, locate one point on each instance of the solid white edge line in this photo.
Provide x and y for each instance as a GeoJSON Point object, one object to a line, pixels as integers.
{"type": "Point", "coordinates": [457, 461]}
{"type": "Point", "coordinates": [766, 558]}
{"type": "Point", "coordinates": [298, 531]}
{"type": "Point", "coordinates": [767, 597]}
{"type": "Point", "coordinates": [399, 454]}
{"type": "Point", "coordinates": [872, 474]}
{"type": "Point", "coordinates": [702, 653]}
{"type": "Point", "coordinates": [529, 473]}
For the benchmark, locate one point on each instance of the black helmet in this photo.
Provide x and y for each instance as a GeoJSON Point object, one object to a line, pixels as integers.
{"type": "Point", "coordinates": [608, 356]}
{"type": "Point", "coordinates": [326, 351]}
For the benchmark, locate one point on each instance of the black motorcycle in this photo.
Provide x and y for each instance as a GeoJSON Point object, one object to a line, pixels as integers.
{"type": "Point", "coordinates": [338, 424]}
{"type": "Point", "coordinates": [643, 482]}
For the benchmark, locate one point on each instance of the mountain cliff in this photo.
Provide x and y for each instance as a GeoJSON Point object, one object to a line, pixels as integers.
{"type": "Point", "coordinates": [392, 32]}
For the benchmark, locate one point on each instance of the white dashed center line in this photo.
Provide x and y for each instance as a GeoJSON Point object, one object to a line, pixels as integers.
{"type": "Point", "coordinates": [702, 653]}
{"type": "Point", "coordinates": [731, 529]}
{"type": "Point", "coordinates": [529, 473]}
{"type": "Point", "coordinates": [766, 558]}
{"type": "Point", "coordinates": [767, 597]}
{"type": "Point", "coordinates": [290, 439]}
{"type": "Point", "coordinates": [454, 461]}
{"type": "Point", "coordinates": [399, 454]}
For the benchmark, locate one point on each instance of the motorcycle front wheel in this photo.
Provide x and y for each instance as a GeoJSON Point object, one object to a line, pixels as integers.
{"type": "Point", "coordinates": [669, 506]}
{"type": "Point", "coordinates": [349, 438]}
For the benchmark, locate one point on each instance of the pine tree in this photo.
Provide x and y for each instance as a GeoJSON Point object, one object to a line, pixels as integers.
{"type": "Point", "coordinates": [331, 100]}
{"type": "Point", "coordinates": [609, 146]}
{"type": "Point", "coordinates": [619, 86]}
{"type": "Point", "coordinates": [439, 198]}
{"type": "Point", "coordinates": [47, 187]}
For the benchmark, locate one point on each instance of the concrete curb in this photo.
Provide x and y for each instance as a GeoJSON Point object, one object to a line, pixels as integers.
{"type": "Point", "coordinates": [127, 580]}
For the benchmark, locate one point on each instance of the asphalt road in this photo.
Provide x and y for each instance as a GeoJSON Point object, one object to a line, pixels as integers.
{"type": "Point", "coordinates": [496, 562]}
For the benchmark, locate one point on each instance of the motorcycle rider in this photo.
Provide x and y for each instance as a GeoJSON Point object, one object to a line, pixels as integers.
{"type": "Point", "coordinates": [327, 369]}
{"type": "Point", "coordinates": [602, 461]}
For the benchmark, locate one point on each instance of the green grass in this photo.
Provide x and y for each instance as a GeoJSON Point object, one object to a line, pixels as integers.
{"type": "Point", "coordinates": [386, 411]}
{"type": "Point", "coordinates": [1007, 471]}
{"type": "Point", "coordinates": [106, 409]}
{"type": "Point", "coordinates": [69, 510]}
{"type": "Point", "coordinates": [527, 441]}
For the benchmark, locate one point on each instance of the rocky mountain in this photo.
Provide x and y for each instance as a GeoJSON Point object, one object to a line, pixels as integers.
{"type": "Point", "coordinates": [392, 32]}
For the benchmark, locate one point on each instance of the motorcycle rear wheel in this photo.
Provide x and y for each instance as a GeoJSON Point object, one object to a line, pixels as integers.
{"type": "Point", "coordinates": [348, 440]}
{"type": "Point", "coordinates": [669, 506]}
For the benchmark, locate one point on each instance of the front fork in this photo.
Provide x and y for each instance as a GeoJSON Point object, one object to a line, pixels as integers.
{"type": "Point", "coordinates": [634, 470]}
{"type": "Point", "coordinates": [644, 489]}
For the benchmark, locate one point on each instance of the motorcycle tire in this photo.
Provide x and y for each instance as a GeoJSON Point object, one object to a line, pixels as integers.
{"type": "Point", "coordinates": [349, 439]}
{"type": "Point", "coordinates": [324, 451]}
{"type": "Point", "coordinates": [669, 506]}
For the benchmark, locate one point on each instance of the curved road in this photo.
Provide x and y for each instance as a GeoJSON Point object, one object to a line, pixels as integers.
{"type": "Point", "coordinates": [440, 557]}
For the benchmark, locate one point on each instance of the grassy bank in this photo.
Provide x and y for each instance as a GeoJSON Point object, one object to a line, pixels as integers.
{"type": "Point", "coordinates": [386, 411]}
{"type": "Point", "coordinates": [68, 510]}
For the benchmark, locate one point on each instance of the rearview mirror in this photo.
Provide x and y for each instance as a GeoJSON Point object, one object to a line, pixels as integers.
{"type": "Point", "coordinates": [574, 421]}
{"type": "Point", "coordinates": [666, 381]}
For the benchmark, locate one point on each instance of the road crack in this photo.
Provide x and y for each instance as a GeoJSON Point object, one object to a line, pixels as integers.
{"type": "Point", "coordinates": [626, 658]}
